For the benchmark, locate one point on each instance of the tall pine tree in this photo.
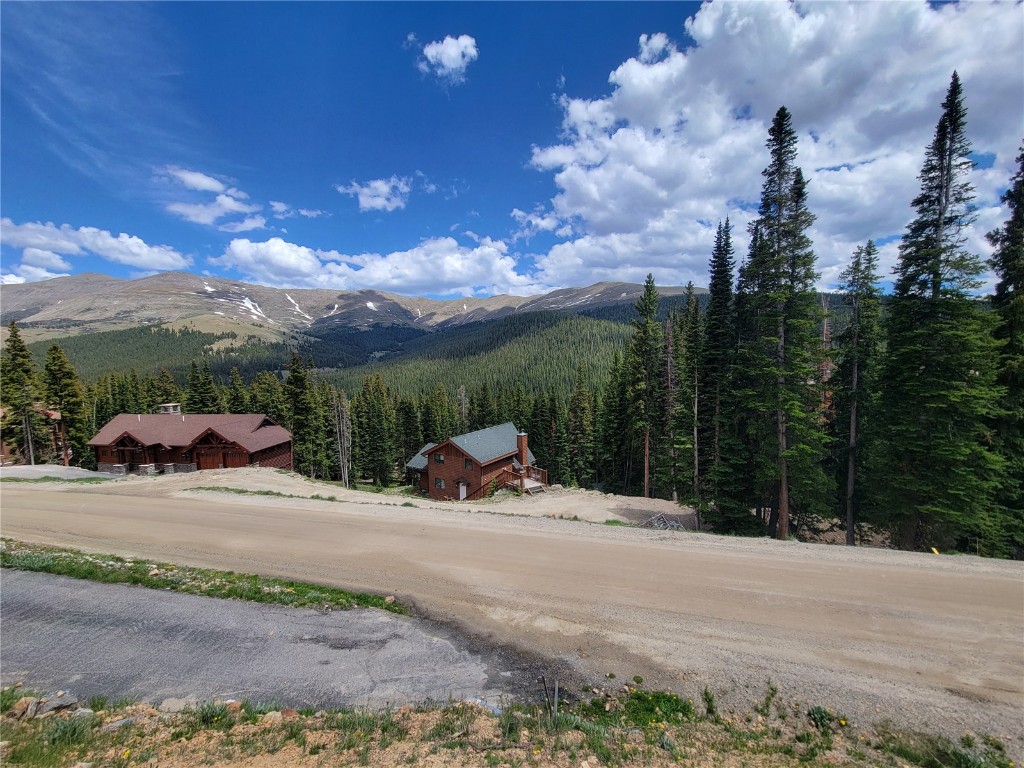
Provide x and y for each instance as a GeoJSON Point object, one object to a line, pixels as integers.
{"type": "Point", "coordinates": [858, 348]}
{"type": "Point", "coordinates": [580, 428]}
{"type": "Point", "coordinates": [783, 356]}
{"type": "Point", "coordinates": [65, 393]}
{"type": "Point", "coordinates": [717, 352]}
{"type": "Point", "coordinates": [24, 428]}
{"type": "Point", "coordinates": [307, 418]}
{"type": "Point", "coordinates": [643, 368]}
{"type": "Point", "coordinates": [938, 473]}
{"type": "Point", "coordinates": [238, 394]}
{"type": "Point", "coordinates": [1008, 263]}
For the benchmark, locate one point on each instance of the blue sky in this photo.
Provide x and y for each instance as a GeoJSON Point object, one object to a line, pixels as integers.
{"type": "Point", "coordinates": [474, 148]}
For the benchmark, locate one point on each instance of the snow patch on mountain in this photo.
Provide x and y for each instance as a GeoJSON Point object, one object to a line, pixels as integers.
{"type": "Point", "coordinates": [297, 309]}
{"type": "Point", "coordinates": [247, 304]}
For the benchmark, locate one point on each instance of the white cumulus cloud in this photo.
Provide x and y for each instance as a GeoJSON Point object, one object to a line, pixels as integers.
{"type": "Point", "coordinates": [644, 173]}
{"type": "Point", "coordinates": [46, 245]}
{"type": "Point", "coordinates": [448, 59]}
{"type": "Point", "coordinates": [43, 259]}
{"type": "Point", "coordinates": [438, 266]}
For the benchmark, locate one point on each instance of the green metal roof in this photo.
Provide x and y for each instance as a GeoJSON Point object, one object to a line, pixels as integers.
{"type": "Point", "coordinates": [419, 461]}
{"type": "Point", "coordinates": [484, 445]}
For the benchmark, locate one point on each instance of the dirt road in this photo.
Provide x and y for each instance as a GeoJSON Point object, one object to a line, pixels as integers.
{"type": "Point", "coordinates": [932, 642]}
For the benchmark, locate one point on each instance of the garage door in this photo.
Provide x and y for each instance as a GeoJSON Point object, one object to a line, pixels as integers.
{"type": "Point", "coordinates": [236, 459]}
{"type": "Point", "coordinates": [208, 458]}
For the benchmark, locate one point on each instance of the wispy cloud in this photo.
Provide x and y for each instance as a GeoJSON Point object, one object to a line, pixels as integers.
{"type": "Point", "coordinates": [96, 77]}
{"type": "Point", "coordinates": [284, 211]}
{"type": "Point", "coordinates": [195, 180]}
{"type": "Point", "coordinates": [228, 210]}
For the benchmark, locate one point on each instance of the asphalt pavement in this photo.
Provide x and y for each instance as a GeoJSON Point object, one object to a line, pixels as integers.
{"type": "Point", "coordinates": [157, 646]}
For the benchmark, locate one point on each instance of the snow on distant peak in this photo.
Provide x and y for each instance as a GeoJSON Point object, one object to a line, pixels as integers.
{"type": "Point", "coordinates": [297, 309]}
{"type": "Point", "coordinates": [207, 288]}
{"type": "Point", "coordinates": [247, 304]}
{"type": "Point", "coordinates": [370, 304]}
{"type": "Point", "coordinates": [464, 307]}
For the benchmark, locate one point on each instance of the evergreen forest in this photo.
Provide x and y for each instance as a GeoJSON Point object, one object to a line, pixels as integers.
{"type": "Point", "coordinates": [768, 407]}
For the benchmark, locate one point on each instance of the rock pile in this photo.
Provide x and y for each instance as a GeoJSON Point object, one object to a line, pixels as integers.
{"type": "Point", "coordinates": [41, 707]}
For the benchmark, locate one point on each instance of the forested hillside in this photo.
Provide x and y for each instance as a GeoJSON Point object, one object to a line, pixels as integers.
{"type": "Point", "coordinates": [539, 352]}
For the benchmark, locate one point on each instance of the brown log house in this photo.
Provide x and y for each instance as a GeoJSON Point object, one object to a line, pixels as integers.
{"type": "Point", "coordinates": [467, 467]}
{"type": "Point", "coordinates": [171, 441]}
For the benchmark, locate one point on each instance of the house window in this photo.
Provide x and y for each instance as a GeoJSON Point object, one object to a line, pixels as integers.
{"type": "Point", "coordinates": [184, 457]}
{"type": "Point", "coordinates": [469, 463]}
{"type": "Point", "coordinates": [439, 458]}
{"type": "Point", "coordinates": [439, 482]}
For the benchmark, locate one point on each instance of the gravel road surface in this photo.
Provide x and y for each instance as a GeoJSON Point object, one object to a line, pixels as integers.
{"type": "Point", "coordinates": [123, 641]}
{"type": "Point", "coordinates": [929, 641]}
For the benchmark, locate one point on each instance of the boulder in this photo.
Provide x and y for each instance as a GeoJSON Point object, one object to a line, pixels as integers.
{"type": "Point", "coordinates": [25, 708]}
{"type": "Point", "coordinates": [52, 705]}
{"type": "Point", "coordinates": [117, 725]}
{"type": "Point", "coordinates": [271, 718]}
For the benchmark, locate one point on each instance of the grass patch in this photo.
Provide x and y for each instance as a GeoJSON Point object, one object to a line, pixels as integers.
{"type": "Point", "coordinates": [615, 522]}
{"type": "Point", "coordinates": [51, 742]}
{"type": "Point", "coordinates": [67, 732]}
{"type": "Point", "coordinates": [111, 569]}
{"type": "Point", "coordinates": [934, 751]}
{"type": "Point", "coordinates": [251, 492]}
{"type": "Point", "coordinates": [9, 697]}
{"type": "Point", "coordinates": [627, 727]}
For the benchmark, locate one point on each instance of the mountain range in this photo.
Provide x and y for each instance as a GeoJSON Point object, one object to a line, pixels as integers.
{"type": "Point", "coordinates": [92, 303]}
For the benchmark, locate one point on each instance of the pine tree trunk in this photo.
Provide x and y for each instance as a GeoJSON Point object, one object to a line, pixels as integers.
{"type": "Point", "coordinates": [28, 436]}
{"type": "Point", "coordinates": [851, 458]}
{"type": "Point", "coordinates": [716, 450]}
{"type": "Point", "coordinates": [696, 451]}
{"type": "Point", "coordinates": [647, 463]}
{"type": "Point", "coordinates": [780, 418]}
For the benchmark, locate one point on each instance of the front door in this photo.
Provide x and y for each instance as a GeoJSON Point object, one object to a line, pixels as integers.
{"type": "Point", "coordinates": [462, 491]}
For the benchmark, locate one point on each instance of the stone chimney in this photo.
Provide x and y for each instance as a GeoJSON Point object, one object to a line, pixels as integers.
{"type": "Point", "coordinates": [522, 449]}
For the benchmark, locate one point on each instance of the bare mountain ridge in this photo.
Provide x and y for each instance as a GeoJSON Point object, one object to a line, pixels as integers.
{"type": "Point", "coordinates": [90, 303]}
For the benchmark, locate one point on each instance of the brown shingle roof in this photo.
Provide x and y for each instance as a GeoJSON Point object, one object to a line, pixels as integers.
{"type": "Point", "coordinates": [251, 431]}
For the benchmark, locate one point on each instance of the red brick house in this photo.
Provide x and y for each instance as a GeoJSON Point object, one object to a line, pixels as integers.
{"type": "Point", "coordinates": [150, 443]}
{"type": "Point", "coordinates": [464, 467]}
